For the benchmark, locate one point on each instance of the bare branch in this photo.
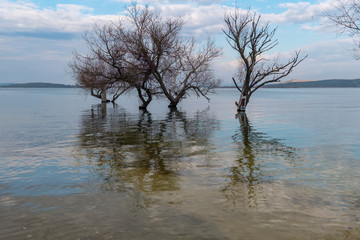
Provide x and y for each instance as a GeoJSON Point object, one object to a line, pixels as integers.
{"type": "Point", "coordinates": [177, 64]}
{"type": "Point", "coordinates": [347, 17]}
{"type": "Point", "coordinates": [251, 39]}
{"type": "Point", "coordinates": [236, 85]}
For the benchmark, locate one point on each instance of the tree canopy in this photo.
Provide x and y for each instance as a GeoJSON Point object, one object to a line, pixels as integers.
{"type": "Point", "coordinates": [148, 53]}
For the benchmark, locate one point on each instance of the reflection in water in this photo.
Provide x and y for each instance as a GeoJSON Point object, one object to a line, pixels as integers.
{"type": "Point", "coordinates": [138, 153]}
{"type": "Point", "coordinates": [246, 179]}
{"type": "Point", "coordinates": [160, 174]}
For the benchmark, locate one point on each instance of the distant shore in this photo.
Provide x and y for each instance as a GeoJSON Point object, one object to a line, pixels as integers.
{"type": "Point", "coordinates": [37, 85]}
{"type": "Point", "coordinates": [335, 83]}
{"type": "Point", "coordinates": [330, 83]}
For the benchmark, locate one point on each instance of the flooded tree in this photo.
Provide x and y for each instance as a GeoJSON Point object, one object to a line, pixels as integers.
{"type": "Point", "coordinates": [93, 75]}
{"type": "Point", "coordinates": [177, 64]}
{"type": "Point", "coordinates": [347, 16]}
{"type": "Point", "coordinates": [101, 70]}
{"type": "Point", "coordinates": [251, 39]}
{"type": "Point", "coordinates": [110, 68]}
{"type": "Point", "coordinates": [145, 52]}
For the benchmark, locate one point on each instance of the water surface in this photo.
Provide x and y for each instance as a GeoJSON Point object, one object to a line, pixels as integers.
{"type": "Point", "coordinates": [71, 168]}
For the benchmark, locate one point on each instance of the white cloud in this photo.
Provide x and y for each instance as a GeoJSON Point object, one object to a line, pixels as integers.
{"type": "Point", "coordinates": [301, 12]}
{"type": "Point", "coordinates": [25, 17]}
{"type": "Point", "coordinates": [174, 2]}
{"type": "Point", "coordinates": [199, 20]}
{"type": "Point", "coordinates": [203, 19]}
{"type": "Point", "coordinates": [327, 60]}
{"type": "Point", "coordinates": [202, 16]}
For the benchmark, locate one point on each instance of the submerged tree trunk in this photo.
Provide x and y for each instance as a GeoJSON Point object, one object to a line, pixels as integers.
{"type": "Point", "coordinates": [145, 102]}
{"type": "Point", "coordinates": [251, 39]}
{"type": "Point", "coordinates": [173, 105]}
{"type": "Point", "coordinates": [243, 102]}
{"type": "Point", "coordinates": [171, 96]}
{"type": "Point", "coordinates": [103, 96]}
{"type": "Point", "coordinates": [175, 98]}
{"type": "Point", "coordinates": [244, 99]}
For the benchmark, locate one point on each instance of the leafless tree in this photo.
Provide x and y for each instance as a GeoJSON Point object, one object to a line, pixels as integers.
{"type": "Point", "coordinates": [178, 65]}
{"type": "Point", "coordinates": [347, 16]}
{"type": "Point", "coordinates": [109, 67]}
{"type": "Point", "coordinates": [95, 76]}
{"type": "Point", "coordinates": [93, 71]}
{"type": "Point", "coordinates": [148, 53]}
{"type": "Point", "coordinates": [251, 39]}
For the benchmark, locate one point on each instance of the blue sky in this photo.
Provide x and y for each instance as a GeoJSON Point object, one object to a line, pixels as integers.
{"type": "Point", "coordinates": [37, 38]}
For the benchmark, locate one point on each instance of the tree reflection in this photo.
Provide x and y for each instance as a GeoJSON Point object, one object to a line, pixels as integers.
{"type": "Point", "coordinates": [136, 152]}
{"type": "Point", "coordinates": [247, 178]}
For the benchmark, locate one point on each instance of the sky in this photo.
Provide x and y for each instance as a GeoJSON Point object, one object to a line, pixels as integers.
{"type": "Point", "coordinates": [38, 38]}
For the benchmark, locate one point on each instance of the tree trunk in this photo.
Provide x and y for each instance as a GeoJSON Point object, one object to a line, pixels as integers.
{"type": "Point", "coordinates": [173, 105]}
{"type": "Point", "coordinates": [103, 96]}
{"type": "Point", "coordinates": [144, 105]}
{"type": "Point", "coordinates": [243, 101]}
{"type": "Point", "coordinates": [145, 102]}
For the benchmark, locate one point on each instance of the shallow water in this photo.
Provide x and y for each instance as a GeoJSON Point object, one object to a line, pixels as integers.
{"type": "Point", "coordinates": [71, 168]}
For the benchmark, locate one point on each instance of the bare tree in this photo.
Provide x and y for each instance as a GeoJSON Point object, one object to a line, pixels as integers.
{"type": "Point", "coordinates": [347, 16]}
{"type": "Point", "coordinates": [177, 64]}
{"type": "Point", "coordinates": [251, 39]}
{"type": "Point", "coordinates": [102, 70]}
{"type": "Point", "coordinates": [149, 54]}
{"type": "Point", "coordinates": [110, 67]}
{"type": "Point", "coordinates": [98, 78]}
{"type": "Point", "coordinates": [141, 74]}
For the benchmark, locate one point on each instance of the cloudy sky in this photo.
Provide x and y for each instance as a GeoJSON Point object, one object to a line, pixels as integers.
{"type": "Point", "coordinates": [37, 38]}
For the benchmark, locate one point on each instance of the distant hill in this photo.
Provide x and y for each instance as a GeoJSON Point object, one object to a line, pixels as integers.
{"type": "Point", "coordinates": [36, 85]}
{"type": "Point", "coordinates": [336, 83]}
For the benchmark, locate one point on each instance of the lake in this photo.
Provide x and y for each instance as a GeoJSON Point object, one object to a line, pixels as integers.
{"type": "Point", "coordinates": [71, 168]}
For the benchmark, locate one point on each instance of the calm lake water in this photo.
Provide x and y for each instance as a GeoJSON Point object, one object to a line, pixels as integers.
{"type": "Point", "coordinates": [71, 168]}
